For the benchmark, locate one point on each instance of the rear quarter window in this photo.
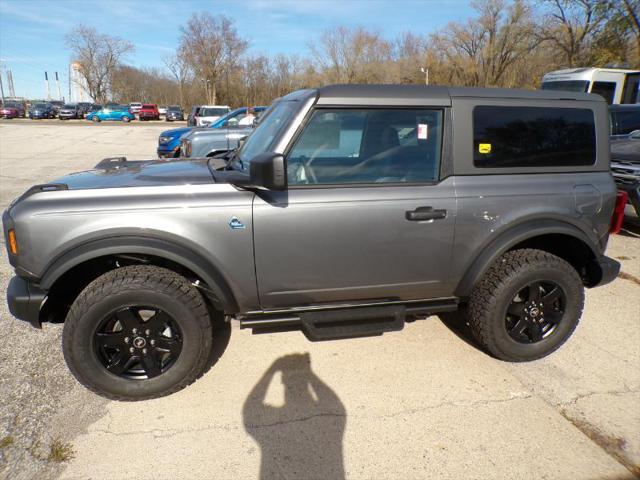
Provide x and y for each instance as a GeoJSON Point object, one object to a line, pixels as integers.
{"type": "Point", "coordinates": [505, 137]}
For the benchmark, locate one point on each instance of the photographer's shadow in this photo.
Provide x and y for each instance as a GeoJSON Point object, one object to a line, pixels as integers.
{"type": "Point", "coordinates": [301, 439]}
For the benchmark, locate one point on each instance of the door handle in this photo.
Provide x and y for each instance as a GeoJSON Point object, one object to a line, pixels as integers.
{"type": "Point", "coordinates": [424, 213]}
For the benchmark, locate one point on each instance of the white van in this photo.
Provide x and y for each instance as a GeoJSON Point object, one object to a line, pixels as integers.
{"type": "Point", "coordinates": [614, 84]}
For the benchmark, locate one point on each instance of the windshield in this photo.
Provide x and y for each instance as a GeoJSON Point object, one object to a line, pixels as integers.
{"type": "Point", "coordinates": [213, 112]}
{"type": "Point", "coordinates": [40, 105]}
{"type": "Point", "coordinates": [567, 85]}
{"type": "Point", "coordinates": [173, 108]}
{"type": "Point", "coordinates": [69, 106]}
{"type": "Point", "coordinates": [262, 138]}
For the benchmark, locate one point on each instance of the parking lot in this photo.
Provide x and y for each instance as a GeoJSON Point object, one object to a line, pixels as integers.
{"type": "Point", "coordinates": [420, 403]}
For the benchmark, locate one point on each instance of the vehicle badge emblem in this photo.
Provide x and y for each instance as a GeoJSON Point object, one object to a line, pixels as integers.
{"type": "Point", "coordinates": [236, 224]}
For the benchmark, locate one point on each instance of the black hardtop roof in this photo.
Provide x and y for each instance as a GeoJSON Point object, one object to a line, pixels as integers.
{"type": "Point", "coordinates": [399, 95]}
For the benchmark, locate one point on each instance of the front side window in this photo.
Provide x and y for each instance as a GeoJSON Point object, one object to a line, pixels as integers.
{"type": "Point", "coordinates": [364, 146]}
{"type": "Point", "coordinates": [505, 137]}
{"type": "Point", "coordinates": [625, 122]}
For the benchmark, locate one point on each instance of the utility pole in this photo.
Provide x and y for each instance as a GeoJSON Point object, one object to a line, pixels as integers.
{"type": "Point", "coordinates": [46, 85]}
{"type": "Point", "coordinates": [12, 89]}
{"type": "Point", "coordinates": [58, 85]}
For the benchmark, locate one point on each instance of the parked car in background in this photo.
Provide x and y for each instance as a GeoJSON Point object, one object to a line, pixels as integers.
{"type": "Point", "coordinates": [229, 131]}
{"type": "Point", "coordinates": [42, 110]}
{"type": "Point", "coordinates": [118, 112]}
{"type": "Point", "coordinates": [70, 110]}
{"type": "Point", "coordinates": [135, 107]}
{"type": "Point", "coordinates": [149, 111]}
{"type": "Point", "coordinates": [169, 140]}
{"type": "Point", "coordinates": [7, 111]}
{"type": "Point", "coordinates": [191, 118]}
{"type": "Point", "coordinates": [208, 114]}
{"type": "Point", "coordinates": [615, 85]}
{"type": "Point", "coordinates": [625, 153]}
{"type": "Point", "coordinates": [56, 105]}
{"type": "Point", "coordinates": [17, 106]}
{"type": "Point", "coordinates": [174, 112]}
{"type": "Point", "coordinates": [163, 110]}
{"type": "Point", "coordinates": [84, 107]}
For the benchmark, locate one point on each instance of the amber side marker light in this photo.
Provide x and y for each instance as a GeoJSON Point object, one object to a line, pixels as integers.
{"type": "Point", "coordinates": [13, 243]}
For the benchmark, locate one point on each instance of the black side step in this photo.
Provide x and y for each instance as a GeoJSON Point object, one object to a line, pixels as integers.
{"type": "Point", "coordinates": [353, 322]}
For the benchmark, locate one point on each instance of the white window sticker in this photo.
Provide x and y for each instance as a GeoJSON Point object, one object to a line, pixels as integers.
{"type": "Point", "coordinates": [423, 131]}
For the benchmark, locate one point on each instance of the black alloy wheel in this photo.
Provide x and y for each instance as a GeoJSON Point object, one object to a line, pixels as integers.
{"type": "Point", "coordinates": [138, 342]}
{"type": "Point", "coordinates": [535, 311]}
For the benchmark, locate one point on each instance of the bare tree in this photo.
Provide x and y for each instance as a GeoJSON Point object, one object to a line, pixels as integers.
{"type": "Point", "coordinates": [211, 47]}
{"type": "Point", "coordinates": [352, 55]}
{"type": "Point", "coordinates": [99, 55]}
{"type": "Point", "coordinates": [180, 69]}
{"type": "Point", "coordinates": [570, 27]}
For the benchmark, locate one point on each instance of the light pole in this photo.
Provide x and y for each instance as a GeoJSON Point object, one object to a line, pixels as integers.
{"type": "Point", "coordinates": [426, 75]}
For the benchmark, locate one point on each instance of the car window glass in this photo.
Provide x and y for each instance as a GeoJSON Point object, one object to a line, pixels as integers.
{"type": "Point", "coordinates": [626, 122]}
{"type": "Point", "coordinates": [506, 137]}
{"type": "Point", "coordinates": [606, 90]}
{"type": "Point", "coordinates": [342, 146]}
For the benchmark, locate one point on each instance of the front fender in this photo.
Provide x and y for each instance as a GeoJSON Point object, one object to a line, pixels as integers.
{"type": "Point", "coordinates": [142, 245]}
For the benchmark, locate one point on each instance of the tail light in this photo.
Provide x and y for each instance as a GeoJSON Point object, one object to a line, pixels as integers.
{"type": "Point", "coordinates": [618, 212]}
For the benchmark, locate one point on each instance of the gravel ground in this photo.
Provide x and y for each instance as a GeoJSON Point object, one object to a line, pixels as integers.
{"type": "Point", "coordinates": [575, 414]}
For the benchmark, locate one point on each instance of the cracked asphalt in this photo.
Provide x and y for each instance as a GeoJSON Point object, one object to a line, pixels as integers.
{"type": "Point", "coordinates": [420, 403]}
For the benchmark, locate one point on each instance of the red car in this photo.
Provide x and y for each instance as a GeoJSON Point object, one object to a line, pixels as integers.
{"type": "Point", "coordinates": [149, 111]}
{"type": "Point", "coordinates": [9, 112]}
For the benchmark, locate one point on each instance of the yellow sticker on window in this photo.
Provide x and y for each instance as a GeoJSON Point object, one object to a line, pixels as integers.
{"type": "Point", "coordinates": [484, 148]}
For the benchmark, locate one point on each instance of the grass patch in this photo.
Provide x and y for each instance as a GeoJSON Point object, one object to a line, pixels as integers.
{"type": "Point", "coordinates": [7, 441]}
{"type": "Point", "coordinates": [60, 452]}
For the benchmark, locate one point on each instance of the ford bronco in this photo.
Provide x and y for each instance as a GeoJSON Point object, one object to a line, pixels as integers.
{"type": "Point", "coordinates": [347, 211]}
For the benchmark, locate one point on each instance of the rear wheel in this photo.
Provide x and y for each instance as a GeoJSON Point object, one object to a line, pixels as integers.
{"type": "Point", "coordinates": [125, 119]}
{"type": "Point", "coordinates": [526, 305]}
{"type": "Point", "coordinates": [136, 333]}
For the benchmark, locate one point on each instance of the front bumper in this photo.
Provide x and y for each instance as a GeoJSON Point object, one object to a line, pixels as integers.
{"type": "Point", "coordinates": [25, 299]}
{"type": "Point", "coordinates": [167, 152]}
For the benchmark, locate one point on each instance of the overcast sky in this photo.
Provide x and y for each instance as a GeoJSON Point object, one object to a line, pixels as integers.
{"type": "Point", "coordinates": [32, 31]}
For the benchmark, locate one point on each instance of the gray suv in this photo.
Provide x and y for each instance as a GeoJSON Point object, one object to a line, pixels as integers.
{"type": "Point", "coordinates": [349, 210]}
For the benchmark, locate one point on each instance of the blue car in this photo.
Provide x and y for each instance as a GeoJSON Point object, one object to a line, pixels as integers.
{"type": "Point", "coordinates": [111, 112]}
{"type": "Point", "coordinates": [169, 140]}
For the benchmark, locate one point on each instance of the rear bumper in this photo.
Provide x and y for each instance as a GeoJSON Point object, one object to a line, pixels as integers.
{"type": "Point", "coordinates": [610, 270]}
{"type": "Point", "coordinates": [24, 300]}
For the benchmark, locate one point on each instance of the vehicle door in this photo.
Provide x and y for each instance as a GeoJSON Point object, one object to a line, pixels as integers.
{"type": "Point", "coordinates": [366, 215]}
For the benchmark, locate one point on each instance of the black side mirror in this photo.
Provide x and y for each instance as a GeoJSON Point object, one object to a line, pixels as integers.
{"type": "Point", "coordinates": [269, 170]}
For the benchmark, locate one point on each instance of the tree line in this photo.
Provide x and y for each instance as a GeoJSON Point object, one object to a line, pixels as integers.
{"type": "Point", "coordinates": [505, 43]}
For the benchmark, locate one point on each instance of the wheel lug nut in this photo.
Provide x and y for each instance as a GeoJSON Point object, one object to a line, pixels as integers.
{"type": "Point", "coordinates": [147, 332]}
{"type": "Point", "coordinates": [135, 330]}
{"type": "Point", "coordinates": [131, 350]}
{"type": "Point", "coordinates": [153, 342]}
{"type": "Point", "coordinates": [144, 351]}
{"type": "Point", "coordinates": [127, 339]}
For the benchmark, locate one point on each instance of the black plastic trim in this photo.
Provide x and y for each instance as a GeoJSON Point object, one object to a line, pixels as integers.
{"type": "Point", "coordinates": [24, 300]}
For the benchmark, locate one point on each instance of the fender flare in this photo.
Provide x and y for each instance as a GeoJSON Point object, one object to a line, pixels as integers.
{"type": "Point", "coordinates": [129, 244]}
{"type": "Point", "coordinates": [505, 240]}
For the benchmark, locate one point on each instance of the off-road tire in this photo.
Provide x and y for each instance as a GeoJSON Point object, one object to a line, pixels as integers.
{"type": "Point", "coordinates": [493, 293]}
{"type": "Point", "coordinates": [130, 286]}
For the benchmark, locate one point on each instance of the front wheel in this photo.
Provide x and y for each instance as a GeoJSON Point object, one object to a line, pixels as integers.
{"type": "Point", "coordinates": [526, 305]}
{"type": "Point", "coordinates": [126, 119]}
{"type": "Point", "coordinates": [136, 333]}
{"type": "Point", "coordinates": [95, 119]}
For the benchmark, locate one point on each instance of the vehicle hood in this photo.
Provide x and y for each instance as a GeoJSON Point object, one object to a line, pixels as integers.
{"type": "Point", "coordinates": [140, 174]}
{"type": "Point", "coordinates": [626, 150]}
{"type": "Point", "coordinates": [175, 132]}
{"type": "Point", "coordinates": [219, 132]}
